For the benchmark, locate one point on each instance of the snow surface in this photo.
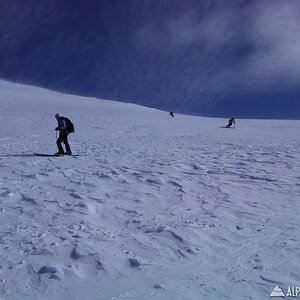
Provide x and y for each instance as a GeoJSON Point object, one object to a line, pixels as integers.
{"type": "Point", "coordinates": [153, 208]}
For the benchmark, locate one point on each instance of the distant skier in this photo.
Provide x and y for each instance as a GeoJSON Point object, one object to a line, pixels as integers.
{"type": "Point", "coordinates": [171, 114]}
{"type": "Point", "coordinates": [64, 127]}
{"type": "Point", "coordinates": [230, 122]}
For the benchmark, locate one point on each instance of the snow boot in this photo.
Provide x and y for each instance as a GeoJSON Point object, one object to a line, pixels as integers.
{"type": "Point", "coordinates": [59, 154]}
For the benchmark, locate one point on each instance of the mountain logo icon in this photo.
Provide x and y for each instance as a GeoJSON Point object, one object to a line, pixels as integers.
{"type": "Point", "coordinates": [277, 292]}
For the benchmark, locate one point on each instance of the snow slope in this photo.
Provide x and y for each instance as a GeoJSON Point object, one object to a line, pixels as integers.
{"type": "Point", "coordinates": [153, 208]}
{"type": "Point", "coordinates": [208, 57]}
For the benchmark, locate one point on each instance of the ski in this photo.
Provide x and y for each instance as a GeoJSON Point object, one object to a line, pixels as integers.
{"type": "Point", "coordinates": [53, 155]}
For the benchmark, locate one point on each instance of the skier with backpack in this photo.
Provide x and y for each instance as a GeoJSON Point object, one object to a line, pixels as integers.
{"type": "Point", "coordinates": [65, 126]}
{"type": "Point", "coordinates": [230, 122]}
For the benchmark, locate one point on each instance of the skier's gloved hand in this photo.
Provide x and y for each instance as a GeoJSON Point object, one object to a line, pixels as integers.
{"type": "Point", "coordinates": [56, 129]}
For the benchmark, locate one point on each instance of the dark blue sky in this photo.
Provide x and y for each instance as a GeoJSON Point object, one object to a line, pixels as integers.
{"type": "Point", "coordinates": [213, 58]}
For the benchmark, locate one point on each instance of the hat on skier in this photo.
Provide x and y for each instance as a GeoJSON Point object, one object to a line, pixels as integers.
{"type": "Point", "coordinates": [57, 115]}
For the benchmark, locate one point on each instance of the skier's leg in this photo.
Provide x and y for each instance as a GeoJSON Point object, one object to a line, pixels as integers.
{"type": "Point", "coordinates": [58, 142]}
{"type": "Point", "coordinates": [68, 150]}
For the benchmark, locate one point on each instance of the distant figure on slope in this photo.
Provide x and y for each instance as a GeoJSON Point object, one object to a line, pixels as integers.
{"type": "Point", "coordinates": [64, 127]}
{"type": "Point", "coordinates": [171, 114]}
{"type": "Point", "coordinates": [230, 122]}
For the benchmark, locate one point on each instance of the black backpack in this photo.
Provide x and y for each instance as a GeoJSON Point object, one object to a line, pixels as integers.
{"type": "Point", "coordinates": [69, 124]}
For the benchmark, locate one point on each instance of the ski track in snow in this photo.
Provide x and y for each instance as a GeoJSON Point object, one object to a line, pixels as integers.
{"type": "Point", "coordinates": [153, 208]}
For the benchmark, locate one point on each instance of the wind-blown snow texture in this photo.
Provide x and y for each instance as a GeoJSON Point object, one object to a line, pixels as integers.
{"type": "Point", "coordinates": [153, 208]}
{"type": "Point", "coordinates": [208, 57]}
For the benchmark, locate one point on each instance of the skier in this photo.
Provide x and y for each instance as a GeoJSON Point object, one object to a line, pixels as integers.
{"type": "Point", "coordinates": [171, 114]}
{"type": "Point", "coordinates": [63, 134]}
{"type": "Point", "coordinates": [230, 122]}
